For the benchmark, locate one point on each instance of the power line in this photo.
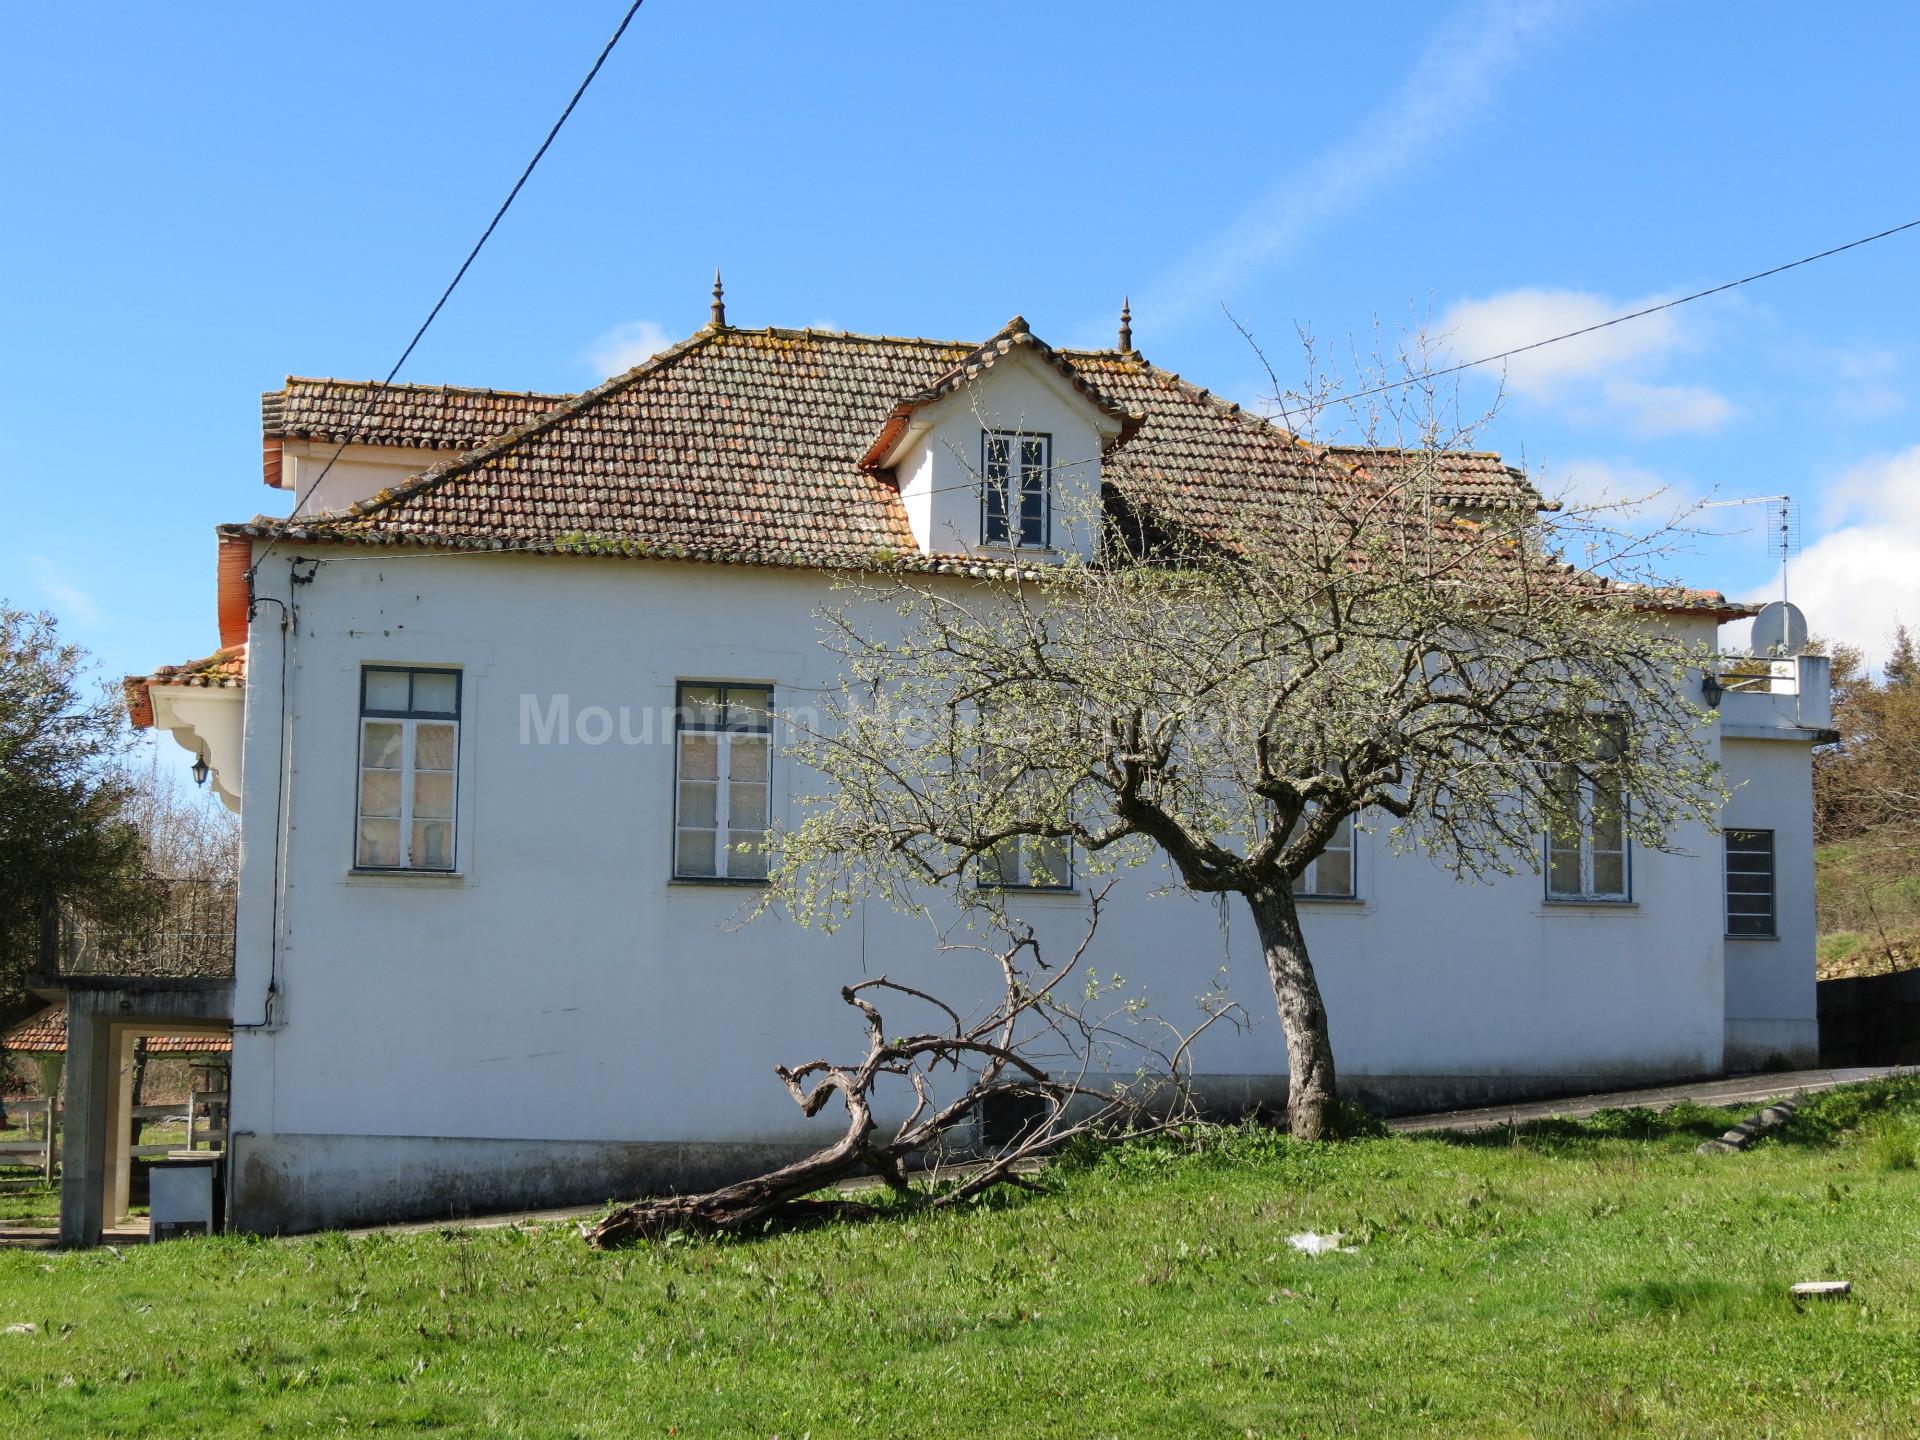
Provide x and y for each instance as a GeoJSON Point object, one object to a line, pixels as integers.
{"type": "Point", "coordinates": [1336, 400]}
{"type": "Point", "coordinates": [1619, 319]}
{"type": "Point", "coordinates": [473, 254]}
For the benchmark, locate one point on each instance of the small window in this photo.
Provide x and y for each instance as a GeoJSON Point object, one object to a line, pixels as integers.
{"type": "Point", "coordinates": [723, 770]}
{"type": "Point", "coordinates": [1587, 853]}
{"type": "Point", "coordinates": [1029, 862]}
{"type": "Point", "coordinates": [1750, 889]}
{"type": "Point", "coordinates": [1016, 494]}
{"type": "Point", "coordinates": [409, 746]}
{"type": "Point", "coordinates": [1329, 875]}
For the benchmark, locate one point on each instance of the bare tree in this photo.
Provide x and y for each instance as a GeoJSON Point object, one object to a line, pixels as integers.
{"type": "Point", "coordinates": [1867, 801]}
{"type": "Point", "coordinates": [1225, 686]}
{"type": "Point", "coordinates": [1056, 1061]}
{"type": "Point", "coordinates": [188, 834]}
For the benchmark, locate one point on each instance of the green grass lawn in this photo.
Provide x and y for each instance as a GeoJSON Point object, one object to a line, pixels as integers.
{"type": "Point", "coordinates": [27, 1202]}
{"type": "Point", "coordinates": [1572, 1279]}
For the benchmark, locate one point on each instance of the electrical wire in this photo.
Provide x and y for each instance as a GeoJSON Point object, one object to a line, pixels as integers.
{"type": "Point", "coordinates": [472, 255]}
{"type": "Point", "coordinates": [1390, 385]}
{"type": "Point", "coordinates": [1426, 375]}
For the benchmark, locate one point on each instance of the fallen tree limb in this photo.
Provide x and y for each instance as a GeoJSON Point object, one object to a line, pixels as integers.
{"type": "Point", "coordinates": [1034, 1049]}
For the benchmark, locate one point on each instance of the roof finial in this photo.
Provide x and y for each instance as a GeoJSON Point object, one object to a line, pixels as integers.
{"type": "Point", "coordinates": [719, 319]}
{"type": "Point", "coordinates": [1126, 324]}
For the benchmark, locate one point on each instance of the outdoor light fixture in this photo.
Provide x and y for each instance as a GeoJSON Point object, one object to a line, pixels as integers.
{"type": "Point", "coordinates": [200, 770]}
{"type": "Point", "coordinates": [1711, 687]}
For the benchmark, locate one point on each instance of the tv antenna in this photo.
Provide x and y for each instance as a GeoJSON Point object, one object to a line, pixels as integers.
{"type": "Point", "coordinates": [1784, 536]}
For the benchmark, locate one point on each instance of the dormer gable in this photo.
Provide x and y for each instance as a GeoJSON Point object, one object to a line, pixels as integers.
{"type": "Point", "coordinates": [1003, 452]}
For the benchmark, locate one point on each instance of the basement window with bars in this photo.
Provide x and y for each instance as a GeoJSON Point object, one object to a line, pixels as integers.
{"type": "Point", "coordinates": [1750, 885]}
{"type": "Point", "coordinates": [723, 771]}
{"type": "Point", "coordinates": [1587, 855]}
{"type": "Point", "coordinates": [1017, 503]}
{"type": "Point", "coordinates": [409, 749]}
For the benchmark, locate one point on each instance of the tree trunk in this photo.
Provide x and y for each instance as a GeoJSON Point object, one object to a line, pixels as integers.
{"type": "Point", "coordinates": [1311, 1109]}
{"type": "Point", "coordinates": [739, 1209]}
{"type": "Point", "coordinates": [750, 1204]}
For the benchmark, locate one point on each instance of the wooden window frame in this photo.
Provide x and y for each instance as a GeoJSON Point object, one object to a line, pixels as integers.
{"type": "Point", "coordinates": [1772, 873]}
{"type": "Point", "coordinates": [409, 720]}
{"type": "Point", "coordinates": [1011, 516]}
{"type": "Point", "coordinates": [723, 731]}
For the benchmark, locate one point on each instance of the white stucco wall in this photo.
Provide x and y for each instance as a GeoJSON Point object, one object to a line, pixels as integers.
{"type": "Point", "coordinates": [938, 468]}
{"type": "Point", "coordinates": [563, 1000]}
{"type": "Point", "coordinates": [1770, 1001]}
{"type": "Point", "coordinates": [359, 471]}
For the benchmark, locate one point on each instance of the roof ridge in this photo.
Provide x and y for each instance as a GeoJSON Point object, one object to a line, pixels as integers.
{"type": "Point", "coordinates": [457, 465]}
{"type": "Point", "coordinates": [1420, 450]}
{"type": "Point", "coordinates": [1016, 334]}
{"type": "Point", "coordinates": [814, 332]}
{"type": "Point", "coordinates": [487, 390]}
{"type": "Point", "coordinates": [1265, 424]}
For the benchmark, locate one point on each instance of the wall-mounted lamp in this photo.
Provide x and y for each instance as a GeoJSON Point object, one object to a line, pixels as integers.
{"type": "Point", "coordinates": [200, 771]}
{"type": "Point", "coordinates": [1712, 689]}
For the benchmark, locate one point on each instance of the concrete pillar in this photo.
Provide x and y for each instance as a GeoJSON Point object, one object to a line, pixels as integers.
{"type": "Point", "coordinates": [89, 1082]}
{"type": "Point", "coordinates": [118, 1197]}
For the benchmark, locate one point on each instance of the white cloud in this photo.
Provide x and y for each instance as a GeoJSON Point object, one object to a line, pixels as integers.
{"type": "Point", "coordinates": [1629, 490]}
{"type": "Point", "coordinates": [69, 601]}
{"type": "Point", "coordinates": [625, 346]}
{"type": "Point", "coordinates": [1857, 580]}
{"type": "Point", "coordinates": [1475, 329]}
{"type": "Point", "coordinates": [1667, 409]}
{"type": "Point", "coordinates": [1455, 79]}
{"type": "Point", "coordinates": [1601, 378]}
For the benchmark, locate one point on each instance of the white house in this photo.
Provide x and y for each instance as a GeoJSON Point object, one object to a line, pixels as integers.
{"type": "Point", "coordinates": [479, 704]}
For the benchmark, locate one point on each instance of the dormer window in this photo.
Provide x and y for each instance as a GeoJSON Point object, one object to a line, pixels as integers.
{"type": "Point", "coordinates": [1016, 503]}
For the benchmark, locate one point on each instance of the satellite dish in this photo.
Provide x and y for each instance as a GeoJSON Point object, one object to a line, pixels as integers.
{"type": "Point", "coordinates": [1779, 630]}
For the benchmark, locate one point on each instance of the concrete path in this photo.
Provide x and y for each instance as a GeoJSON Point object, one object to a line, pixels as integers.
{"type": "Point", "coordinates": [1733, 1091]}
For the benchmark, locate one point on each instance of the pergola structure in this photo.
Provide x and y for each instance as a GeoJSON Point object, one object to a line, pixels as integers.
{"type": "Point", "coordinates": [96, 1133]}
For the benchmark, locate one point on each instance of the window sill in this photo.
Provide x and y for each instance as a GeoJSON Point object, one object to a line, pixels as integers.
{"type": "Point", "coordinates": [1593, 904]}
{"type": "Point", "coordinates": [993, 550]}
{"type": "Point", "coordinates": [431, 879]}
{"type": "Point", "coordinates": [1754, 939]}
{"type": "Point", "coordinates": [1350, 902]}
{"type": "Point", "coordinates": [1064, 892]}
{"type": "Point", "coordinates": [715, 882]}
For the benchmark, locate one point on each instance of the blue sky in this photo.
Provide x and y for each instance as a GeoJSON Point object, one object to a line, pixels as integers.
{"type": "Point", "coordinates": [201, 199]}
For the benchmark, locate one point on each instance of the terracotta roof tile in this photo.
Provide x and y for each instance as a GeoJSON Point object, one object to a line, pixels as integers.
{"type": "Point", "coordinates": [1014, 336]}
{"type": "Point", "coordinates": [46, 1034]}
{"type": "Point", "coordinates": [225, 669]}
{"type": "Point", "coordinates": [366, 412]}
{"type": "Point", "coordinates": [1464, 477]}
{"type": "Point", "coordinates": [746, 446]}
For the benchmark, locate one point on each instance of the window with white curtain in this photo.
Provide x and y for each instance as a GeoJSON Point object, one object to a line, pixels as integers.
{"type": "Point", "coordinates": [1587, 854]}
{"type": "Point", "coordinates": [409, 753]}
{"type": "Point", "coordinates": [723, 771]}
{"type": "Point", "coordinates": [1329, 875]}
{"type": "Point", "coordinates": [1029, 862]}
